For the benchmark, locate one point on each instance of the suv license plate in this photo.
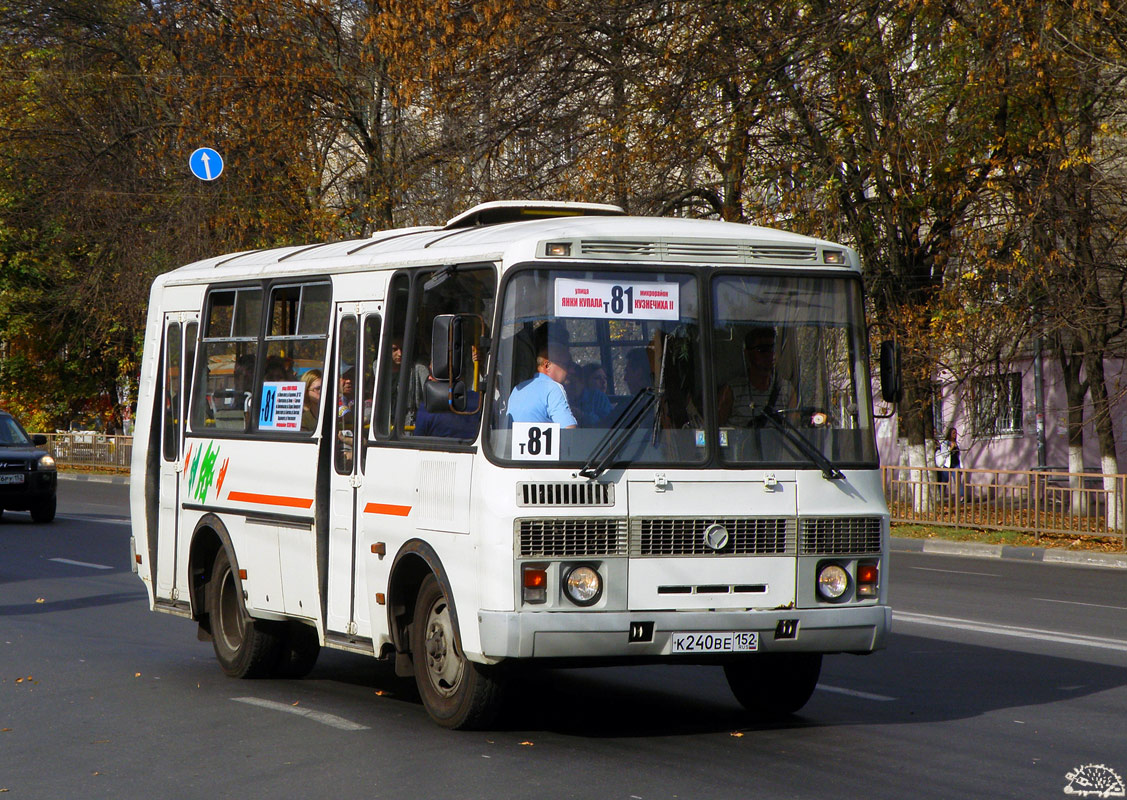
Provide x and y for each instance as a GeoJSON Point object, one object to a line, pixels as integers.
{"type": "Point", "coordinates": [11, 478]}
{"type": "Point", "coordinates": [715, 642]}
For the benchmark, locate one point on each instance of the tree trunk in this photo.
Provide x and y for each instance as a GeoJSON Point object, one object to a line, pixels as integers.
{"type": "Point", "coordinates": [1075, 390]}
{"type": "Point", "coordinates": [1101, 416]}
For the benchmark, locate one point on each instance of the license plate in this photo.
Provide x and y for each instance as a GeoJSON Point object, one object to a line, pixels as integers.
{"type": "Point", "coordinates": [716, 642]}
{"type": "Point", "coordinates": [11, 478]}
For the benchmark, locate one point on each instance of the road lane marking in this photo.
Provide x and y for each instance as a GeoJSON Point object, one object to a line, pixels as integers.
{"type": "Point", "coordinates": [854, 693]}
{"type": "Point", "coordinates": [1078, 603]}
{"type": "Point", "coordinates": [331, 720]}
{"type": "Point", "coordinates": [104, 520]}
{"type": "Point", "coordinates": [957, 572]}
{"type": "Point", "coordinates": [1011, 630]}
{"type": "Point", "coordinates": [79, 563]}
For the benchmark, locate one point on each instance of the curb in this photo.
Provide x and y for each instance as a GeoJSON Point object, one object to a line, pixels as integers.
{"type": "Point", "coordinates": [82, 476]}
{"type": "Point", "coordinates": [1049, 555]}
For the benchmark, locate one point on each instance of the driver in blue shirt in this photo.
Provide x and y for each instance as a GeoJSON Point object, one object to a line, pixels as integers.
{"type": "Point", "coordinates": [542, 399]}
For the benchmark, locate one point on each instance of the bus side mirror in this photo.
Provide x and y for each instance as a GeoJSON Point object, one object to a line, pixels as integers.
{"type": "Point", "coordinates": [446, 347]}
{"type": "Point", "coordinates": [441, 396]}
{"type": "Point", "coordinates": [890, 388]}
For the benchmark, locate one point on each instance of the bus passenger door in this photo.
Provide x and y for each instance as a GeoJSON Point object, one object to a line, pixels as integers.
{"type": "Point", "coordinates": [179, 354]}
{"type": "Point", "coordinates": [353, 384]}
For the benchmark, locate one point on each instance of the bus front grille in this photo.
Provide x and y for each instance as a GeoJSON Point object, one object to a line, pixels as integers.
{"type": "Point", "coordinates": [742, 536]}
{"type": "Point", "coordinates": [571, 537]}
{"type": "Point", "coordinates": [831, 536]}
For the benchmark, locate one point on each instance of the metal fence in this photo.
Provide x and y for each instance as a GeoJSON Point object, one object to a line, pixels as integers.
{"type": "Point", "coordinates": [89, 449]}
{"type": "Point", "coordinates": [1038, 502]}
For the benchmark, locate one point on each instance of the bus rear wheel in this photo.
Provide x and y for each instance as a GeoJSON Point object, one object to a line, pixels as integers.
{"type": "Point", "coordinates": [774, 684]}
{"type": "Point", "coordinates": [456, 692]}
{"type": "Point", "coordinates": [245, 647]}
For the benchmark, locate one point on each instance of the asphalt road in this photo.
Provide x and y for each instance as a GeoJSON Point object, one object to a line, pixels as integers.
{"type": "Point", "coordinates": [1001, 679]}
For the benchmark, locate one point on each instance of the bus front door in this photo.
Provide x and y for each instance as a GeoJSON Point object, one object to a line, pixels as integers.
{"type": "Point", "coordinates": [179, 355]}
{"type": "Point", "coordinates": [353, 376]}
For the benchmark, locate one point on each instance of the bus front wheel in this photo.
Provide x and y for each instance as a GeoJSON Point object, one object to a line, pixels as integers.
{"type": "Point", "coordinates": [456, 692]}
{"type": "Point", "coordinates": [245, 647]}
{"type": "Point", "coordinates": [774, 684]}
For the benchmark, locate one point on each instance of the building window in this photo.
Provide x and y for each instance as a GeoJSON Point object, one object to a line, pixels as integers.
{"type": "Point", "coordinates": [995, 405]}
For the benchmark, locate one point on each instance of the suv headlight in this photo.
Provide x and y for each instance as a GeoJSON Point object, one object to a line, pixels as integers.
{"type": "Point", "coordinates": [46, 463]}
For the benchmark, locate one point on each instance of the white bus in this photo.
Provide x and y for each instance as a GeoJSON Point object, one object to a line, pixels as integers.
{"type": "Point", "coordinates": [361, 445]}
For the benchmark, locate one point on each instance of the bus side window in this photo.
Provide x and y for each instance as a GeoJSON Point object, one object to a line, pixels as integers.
{"type": "Point", "coordinates": [344, 397]}
{"type": "Point", "coordinates": [296, 341]}
{"type": "Point", "coordinates": [468, 292]}
{"type": "Point", "coordinates": [387, 396]}
{"type": "Point", "coordinates": [228, 360]}
{"type": "Point", "coordinates": [370, 348]}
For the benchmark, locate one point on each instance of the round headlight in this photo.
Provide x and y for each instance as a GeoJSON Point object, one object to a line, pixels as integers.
{"type": "Point", "coordinates": [583, 586]}
{"type": "Point", "coordinates": [832, 582]}
{"type": "Point", "coordinates": [46, 463]}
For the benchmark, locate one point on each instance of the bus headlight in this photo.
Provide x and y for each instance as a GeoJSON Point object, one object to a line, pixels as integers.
{"type": "Point", "coordinates": [583, 586]}
{"type": "Point", "coordinates": [832, 582]}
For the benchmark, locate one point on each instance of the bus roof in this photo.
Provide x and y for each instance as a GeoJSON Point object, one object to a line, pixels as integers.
{"type": "Point", "coordinates": [588, 233]}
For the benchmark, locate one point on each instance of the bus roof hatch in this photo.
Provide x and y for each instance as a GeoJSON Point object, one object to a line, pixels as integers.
{"type": "Point", "coordinates": [501, 211]}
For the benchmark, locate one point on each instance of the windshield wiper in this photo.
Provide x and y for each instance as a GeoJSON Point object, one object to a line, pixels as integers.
{"type": "Point", "coordinates": [829, 471]}
{"type": "Point", "coordinates": [626, 423]}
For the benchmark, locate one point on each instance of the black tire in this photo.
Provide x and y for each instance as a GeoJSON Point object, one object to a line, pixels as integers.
{"type": "Point", "coordinates": [456, 692]}
{"type": "Point", "coordinates": [245, 647]}
{"type": "Point", "coordinates": [44, 510]}
{"type": "Point", "coordinates": [298, 651]}
{"type": "Point", "coordinates": [774, 684]}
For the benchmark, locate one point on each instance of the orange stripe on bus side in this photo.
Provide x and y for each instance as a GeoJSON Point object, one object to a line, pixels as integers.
{"type": "Point", "coordinates": [386, 508]}
{"type": "Point", "coordinates": [270, 500]}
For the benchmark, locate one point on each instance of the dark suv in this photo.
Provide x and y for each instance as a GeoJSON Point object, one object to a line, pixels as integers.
{"type": "Point", "coordinates": [27, 471]}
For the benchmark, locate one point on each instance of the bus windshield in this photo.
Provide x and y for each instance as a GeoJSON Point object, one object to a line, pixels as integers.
{"type": "Point", "coordinates": [790, 362]}
{"type": "Point", "coordinates": [601, 368]}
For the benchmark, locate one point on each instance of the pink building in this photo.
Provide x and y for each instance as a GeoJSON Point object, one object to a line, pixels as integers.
{"type": "Point", "coordinates": [997, 420]}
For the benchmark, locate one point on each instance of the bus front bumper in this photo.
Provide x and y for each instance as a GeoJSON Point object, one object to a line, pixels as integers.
{"type": "Point", "coordinates": [649, 634]}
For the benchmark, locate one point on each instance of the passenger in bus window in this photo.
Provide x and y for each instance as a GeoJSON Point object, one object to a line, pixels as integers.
{"type": "Point", "coordinates": [542, 398]}
{"type": "Point", "coordinates": [638, 372]}
{"type": "Point", "coordinates": [276, 370]}
{"type": "Point", "coordinates": [573, 388]}
{"type": "Point", "coordinates": [741, 402]}
{"type": "Point", "coordinates": [346, 417]}
{"type": "Point", "coordinates": [244, 382]}
{"type": "Point", "coordinates": [417, 379]}
{"type": "Point", "coordinates": [593, 406]}
{"type": "Point", "coordinates": [312, 403]}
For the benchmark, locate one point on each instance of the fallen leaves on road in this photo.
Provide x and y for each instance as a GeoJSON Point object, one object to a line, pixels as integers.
{"type": "Point", "coordinates": [527, 744]}
{"type": "Point", "coordinates": [41, 600]}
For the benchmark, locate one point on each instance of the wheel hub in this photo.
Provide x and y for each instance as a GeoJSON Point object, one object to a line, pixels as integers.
{"type": "Point", "coordinates": [444, 663]}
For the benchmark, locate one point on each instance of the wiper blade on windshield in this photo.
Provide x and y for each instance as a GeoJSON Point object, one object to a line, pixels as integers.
{"type": "Point", "coordinates": [829, 471]}
{"type": "Point", "coordinates": [619, 432]}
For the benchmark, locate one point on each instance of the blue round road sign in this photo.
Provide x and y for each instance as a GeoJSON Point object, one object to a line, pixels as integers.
{"type": "Point", "coordinates": [206, 164]}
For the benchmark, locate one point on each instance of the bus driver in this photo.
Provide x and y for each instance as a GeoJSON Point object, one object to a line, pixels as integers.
{"type": "Point", "coordinates": [542, 398]}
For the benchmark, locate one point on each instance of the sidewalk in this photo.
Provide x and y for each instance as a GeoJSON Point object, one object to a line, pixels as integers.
{"type": "Point", "coordinates": [93, 477]}
{"type": "Point", "coordinates": [1052, 555]}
